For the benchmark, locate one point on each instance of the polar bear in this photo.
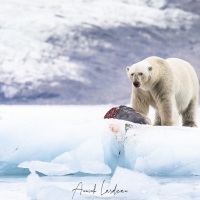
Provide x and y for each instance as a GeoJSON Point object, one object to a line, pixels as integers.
{"type": "Point", "coordinates": [169, 85]}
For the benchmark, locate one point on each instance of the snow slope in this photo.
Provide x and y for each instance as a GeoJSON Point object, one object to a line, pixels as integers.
{"type": "Point", "coordinates": [64, 52]}
{"type": "Point", "coordinates": [156, 162]}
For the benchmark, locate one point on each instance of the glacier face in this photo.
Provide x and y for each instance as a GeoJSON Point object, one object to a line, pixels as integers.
{"type": "Point", "coordinates": [75, 52]}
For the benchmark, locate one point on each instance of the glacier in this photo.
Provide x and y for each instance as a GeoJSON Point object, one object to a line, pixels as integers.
{"type": "Point", "coordinates": [61, 52]}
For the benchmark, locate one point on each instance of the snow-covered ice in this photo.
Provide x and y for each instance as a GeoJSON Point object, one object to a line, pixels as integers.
{"type": "Point", "coordinates": [154, 162]}
{"type": "Point", "coordinates": [88, 158]}
{"type": "Point", "coordinates": [43, 132]}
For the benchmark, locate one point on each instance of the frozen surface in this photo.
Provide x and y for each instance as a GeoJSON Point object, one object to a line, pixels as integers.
{"type": "Point", "coordinates": [88, 158]}
{"type": "Point", "coordinates": [160, 162]}
{"type": "Point", "coordinates": [43, 132]}
{"type": "Point", "coordinates": [162, 151]}
{"type": "Point", "coordinates": [163, 188]}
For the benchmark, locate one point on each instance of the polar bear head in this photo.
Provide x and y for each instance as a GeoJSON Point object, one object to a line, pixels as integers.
{"type": "Point", "coordinates": [140, 74]}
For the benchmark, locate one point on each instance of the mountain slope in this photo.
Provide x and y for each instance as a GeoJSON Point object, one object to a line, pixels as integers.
{"type": "Point", "coordinates": [64, 52]}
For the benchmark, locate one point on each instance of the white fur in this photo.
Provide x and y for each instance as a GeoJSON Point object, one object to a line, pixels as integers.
{"type": "Point", "coordinates": [171, 86]}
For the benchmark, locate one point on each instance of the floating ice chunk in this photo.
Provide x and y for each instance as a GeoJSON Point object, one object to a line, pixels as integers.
{"type": "Point", "coordinates": [53, 193]}
{"type": "Point", "coordinates": [162, 150]}
{"type": "Point", "coordinates": [40, 190]}
{"type": "Point", "coordinates": [88, 158]}
{"type": "Point", "coordinates": [56, 169]}
{"type": "Point", "coordinates": [94, 167]}
{"type": "Point", "coordinates": [133, 185]}
{"type": "Point", "coordinates": [90, 150]}
{"type": "Point", "coordinates": [113, 145]}
{"type": "Point", "coordinates": [34, 183]}
{"type": "Point", "coordinates": [48, 168]}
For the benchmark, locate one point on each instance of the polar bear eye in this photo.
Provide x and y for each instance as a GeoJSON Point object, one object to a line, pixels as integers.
{"type": "Point", "coordinates": [132, 74]}
{"type": "Point", "coordinates": [140, 74]}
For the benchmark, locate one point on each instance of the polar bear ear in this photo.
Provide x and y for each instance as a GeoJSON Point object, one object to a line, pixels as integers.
{"type": "Point", "coordinates": [150, 68]}
{"type": "Point", "coordinates": [127, 68]}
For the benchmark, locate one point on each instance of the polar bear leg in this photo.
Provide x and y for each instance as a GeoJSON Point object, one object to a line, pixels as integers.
{"type": "Point", "coordinates": [168, 113]}
{"type": "Point", "coordinates": [188, 116]}
{"type": "Point", "coordinates": [157, 120]}
{"type": "Point", "coordinates": [139, 103]}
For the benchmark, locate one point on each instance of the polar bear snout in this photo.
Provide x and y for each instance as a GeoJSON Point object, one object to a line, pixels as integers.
{"type": "Point", "coordinates": [136, 84]}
